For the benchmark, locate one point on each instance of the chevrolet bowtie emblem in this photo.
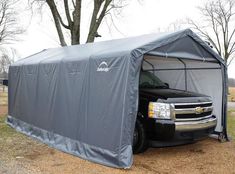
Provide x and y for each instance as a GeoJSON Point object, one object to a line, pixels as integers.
{"type": "Point", "coordinates": [199, 110]}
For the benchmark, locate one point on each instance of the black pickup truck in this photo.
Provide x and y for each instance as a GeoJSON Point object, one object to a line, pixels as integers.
{"type": "Point", "coordinates": [169, 116]}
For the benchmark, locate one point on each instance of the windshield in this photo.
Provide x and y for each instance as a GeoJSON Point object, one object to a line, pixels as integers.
{"type": "Point", "coordinates": [149, 80]}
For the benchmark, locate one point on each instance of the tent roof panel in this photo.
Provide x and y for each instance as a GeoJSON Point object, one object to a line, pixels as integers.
{"type": "Point", "coordinates": [141, 44]}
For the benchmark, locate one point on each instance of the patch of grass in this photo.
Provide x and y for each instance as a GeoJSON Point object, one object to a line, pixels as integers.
{"type": "Point", "coordinates": [231, 123]}
{"type": "Point", "coordinates": [231, 96]}
{"type": "Point", "coordinates": [7, 133]}
{"type": "Point", "coordinates": [3, 98]}
{"type": "Point", "coordinates": [5, 130]}
{"type": "Point", "coordinates": [13, 144]}
{"type": "Point", "coordinates": [6, 138]}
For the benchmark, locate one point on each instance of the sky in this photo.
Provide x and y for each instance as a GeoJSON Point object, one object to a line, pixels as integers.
{"type": "Point", "coordinates": [137, 18]}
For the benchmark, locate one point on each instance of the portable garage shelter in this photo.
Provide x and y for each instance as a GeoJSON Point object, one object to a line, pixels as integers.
{"type": "Point", "coordinates": [84, 99]}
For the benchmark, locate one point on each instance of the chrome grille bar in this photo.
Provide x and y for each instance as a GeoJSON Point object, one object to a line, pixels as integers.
{"type": "Point", "coordinates": [187, 112]}
{"type": "Point", "coordinates": [192, 110]}
{"type": "Point", "coordinates": [192, 119]}
{"type": "Point", "coordinates": [200, 103]}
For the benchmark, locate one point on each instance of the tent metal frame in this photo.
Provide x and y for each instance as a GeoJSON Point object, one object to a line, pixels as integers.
{"type": "Point", "coordinates": [222, 136]}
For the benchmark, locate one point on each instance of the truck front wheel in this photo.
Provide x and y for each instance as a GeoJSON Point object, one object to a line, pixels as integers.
{"type": "Point", "coordinates": [139, 138]}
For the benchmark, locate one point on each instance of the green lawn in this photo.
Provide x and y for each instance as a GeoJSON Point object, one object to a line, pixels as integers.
{"type": "Point", "coordinates": [5, 131]}
{"type": "Point", "coordinates": [231, 123]}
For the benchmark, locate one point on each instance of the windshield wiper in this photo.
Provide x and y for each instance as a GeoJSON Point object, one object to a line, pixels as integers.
{"type": "Point", "coordinates": [163, 87]}
{"type": "Point", "coordinates": [152, 86]}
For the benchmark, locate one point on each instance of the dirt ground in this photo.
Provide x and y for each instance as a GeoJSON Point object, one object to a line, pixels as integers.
{"type": "Point", "coordinates": [3, 110]}
{"type": "Point", "coordinates": [22, 155]}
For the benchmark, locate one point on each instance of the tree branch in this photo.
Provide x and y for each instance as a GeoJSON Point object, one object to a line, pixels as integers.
{"type": "Point", "coordinates": [9, 27]}
{"type": "Point", "coordinates": [75, 30]}
{"type": "Point", "coordinates": [230, 61]}
{"type": "Point", "coordinates": [205, 35]}
{"type": "Point", "coordinates": [57, 21]}
{"type": "Point", "coordinates": [96, 20]}
{"type": "Point", "coordinates": [66, 8]}
{"type": "Point", "coordinates": [218, 17]}
{"type": "Point", "coordinates": [72, 15]}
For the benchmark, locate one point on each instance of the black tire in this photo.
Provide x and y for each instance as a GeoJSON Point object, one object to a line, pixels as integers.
{"type": "Point", "coordinates": [140, 143]}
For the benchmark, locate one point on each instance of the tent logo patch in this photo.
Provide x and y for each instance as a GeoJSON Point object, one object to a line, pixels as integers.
{"type": "Point", "coordinates": [103, 67]}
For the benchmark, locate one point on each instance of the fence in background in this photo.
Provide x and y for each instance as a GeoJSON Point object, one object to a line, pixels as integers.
{"type": "Point", "coordinates": [2, 87]}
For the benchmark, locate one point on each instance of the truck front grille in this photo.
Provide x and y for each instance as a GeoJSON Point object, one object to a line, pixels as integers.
{"type": "Point", "coordinates": [192, 111]}
{"type": "Point", "coordinates": [192, 105]}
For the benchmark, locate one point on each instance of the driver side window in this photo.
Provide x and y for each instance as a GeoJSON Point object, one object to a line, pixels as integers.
{"type": "Point", "coordinates": [145, 79]}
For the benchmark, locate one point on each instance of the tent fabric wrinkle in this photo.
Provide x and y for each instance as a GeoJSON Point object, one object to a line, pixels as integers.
{"type": "Point", "coordinates": [83, 99]}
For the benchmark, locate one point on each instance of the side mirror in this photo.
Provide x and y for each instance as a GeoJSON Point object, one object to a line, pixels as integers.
{"type": "Point", "coordinates": [167, 85]}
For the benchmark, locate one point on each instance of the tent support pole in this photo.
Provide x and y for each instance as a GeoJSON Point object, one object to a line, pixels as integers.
{"type": "Point", "coordinates": [185, 73]}
{"type": "Point", "coordinates": [168, 69]}
{"type": "Point", "coordinates": [224, 136]}
{"type": "Point", "coordinates": [149, 64]}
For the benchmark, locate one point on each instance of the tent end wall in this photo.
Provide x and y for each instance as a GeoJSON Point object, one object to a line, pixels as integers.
{"type": "Point", "coordinates": [221, 131]}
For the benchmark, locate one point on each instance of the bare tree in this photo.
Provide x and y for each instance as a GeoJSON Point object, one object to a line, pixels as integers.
{"type": "Point", "coordinates": [9, 31]}
{"type": "Point", "coordinates": [9, 27]}
{"type": "Point", "coordinates": [219, 27]}
{"type": "Point", "coordinates": [67, 16]}
{"type": "Point", "coordinates": [5, 60]}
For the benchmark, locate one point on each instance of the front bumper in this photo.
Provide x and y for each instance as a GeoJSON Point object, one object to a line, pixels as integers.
{"type": "Point", "coordinates": [165, 130]}
{"type": "Point", "coordinates": [185, 126]}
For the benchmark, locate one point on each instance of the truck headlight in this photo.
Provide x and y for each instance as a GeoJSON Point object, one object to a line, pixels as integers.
{"type": "Point", "coordinates": [159, 110]}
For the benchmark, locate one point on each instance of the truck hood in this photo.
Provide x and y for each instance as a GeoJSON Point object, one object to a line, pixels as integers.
{"type": "Point", "coordinates": [174, 95]}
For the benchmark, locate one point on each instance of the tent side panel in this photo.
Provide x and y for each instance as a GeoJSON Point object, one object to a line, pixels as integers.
{"type": "Point", "coordinates": [79, 106]}
{"type": "Point", "coordinates": [65, 144]}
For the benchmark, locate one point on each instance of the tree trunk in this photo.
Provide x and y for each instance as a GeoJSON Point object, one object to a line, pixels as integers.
{"type": "Point", "coordinates": [96, 20]}
{"type": "Point", "coordinates": [55, 14]}
{"type": "Point", "coordinates": [75, 30]}
{"type": "Point", "coordinates": [72, 11]}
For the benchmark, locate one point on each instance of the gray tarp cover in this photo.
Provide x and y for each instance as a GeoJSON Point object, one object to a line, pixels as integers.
{"type": "Point", "coordinates": [84, 99]}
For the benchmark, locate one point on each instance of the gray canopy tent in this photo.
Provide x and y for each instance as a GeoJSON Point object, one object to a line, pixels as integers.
{"type": "Point", "coordinates": [83, 99]}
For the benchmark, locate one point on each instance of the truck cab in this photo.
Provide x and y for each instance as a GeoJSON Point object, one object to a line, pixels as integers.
{"type": "Point", "coordinates": [168, 116]}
